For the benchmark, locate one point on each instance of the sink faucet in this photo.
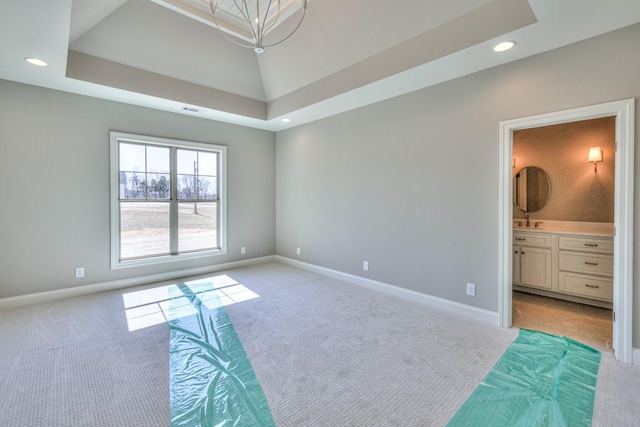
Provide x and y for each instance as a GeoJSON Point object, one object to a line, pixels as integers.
{"type": "Point", "coordinates": [527, 218]}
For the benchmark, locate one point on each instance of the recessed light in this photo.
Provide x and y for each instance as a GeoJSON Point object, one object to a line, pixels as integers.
{"type": "Point", "coordinates": [285, 120]}
{"type": "Point", "coordinates": [36, 61]}
{"type": "Point", "coordinates": [501, 47]}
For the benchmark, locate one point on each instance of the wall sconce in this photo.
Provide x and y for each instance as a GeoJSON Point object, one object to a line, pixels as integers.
{"type": "Point", "coordinates": [595, 156]}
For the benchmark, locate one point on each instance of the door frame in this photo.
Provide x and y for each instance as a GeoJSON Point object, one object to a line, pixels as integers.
{"type": "Point", "coordinates": [623, 212]}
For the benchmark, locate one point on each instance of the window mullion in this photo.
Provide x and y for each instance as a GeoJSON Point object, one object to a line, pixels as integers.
{"type": "Point", "coordinates": [146, 172]}
{"type": "Point", "coordinates": [219, 167]}
{"type": "Point", "coordinates": [173, 211]}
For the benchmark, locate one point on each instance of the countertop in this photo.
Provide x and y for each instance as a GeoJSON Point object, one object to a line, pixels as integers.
{"type": "Point", "coordinates": [599, 229]}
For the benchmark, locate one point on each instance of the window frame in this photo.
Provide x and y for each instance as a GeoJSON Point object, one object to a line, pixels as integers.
{"type": "Point", "coordinates": [114, 169]}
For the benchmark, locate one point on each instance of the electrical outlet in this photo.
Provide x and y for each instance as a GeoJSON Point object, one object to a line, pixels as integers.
{"type": "Point", "coordinates": [365, 266]}
{"type": "Point", "coordinates": [79, 272]}
{"type": "Point", "coordinates": [298, 251]}
{"type": "Point", "coordinates": [471, 289]}
{"type": "Point", "coordinates": [243, 250]}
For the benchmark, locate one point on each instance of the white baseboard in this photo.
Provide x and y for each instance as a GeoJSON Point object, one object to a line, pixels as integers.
{"type": "Point", "coordinates": [22, 300]}
{"type": "Point", "coordinates": [475, 313]}
{"type": "Point", "coordinates": [636, 357]}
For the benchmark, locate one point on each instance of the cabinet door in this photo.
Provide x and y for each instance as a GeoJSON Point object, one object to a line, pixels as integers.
{"type": "Point", "coordinates": [535, 267]}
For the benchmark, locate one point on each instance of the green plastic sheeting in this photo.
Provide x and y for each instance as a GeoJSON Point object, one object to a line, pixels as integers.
{"type": "Point", "coordinates": [212, 381]}
{"type": "Point", "coordinates": [541, 380]}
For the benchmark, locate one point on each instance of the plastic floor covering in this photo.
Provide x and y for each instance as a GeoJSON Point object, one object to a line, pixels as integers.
{"type": "Point", "coordinates": [541, 380]}
{"type": "Point", "coordinates": [212, 382]}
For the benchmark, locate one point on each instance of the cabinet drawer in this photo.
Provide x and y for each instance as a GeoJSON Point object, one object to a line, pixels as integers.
{"type": "Point", "coordinates": [532, 239]}
{"type": "Point", "coordinates": [589, 244]}
{"type": "Point", "coordinates": [586, 263]}
{"type": "Point", "coordinates": [586, 286]}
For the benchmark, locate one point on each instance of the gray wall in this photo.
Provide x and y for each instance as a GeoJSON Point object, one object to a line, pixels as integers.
{"type": "Point", "coordinates": [54, 186]}
{"type": "Point", "coordinates": [411, 184]}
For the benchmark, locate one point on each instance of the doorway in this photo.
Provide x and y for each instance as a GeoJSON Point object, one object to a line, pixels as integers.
{"type": "Point", "coordinates": [623, 111]}
{"type": "Point", "coordinates": [567, 202]}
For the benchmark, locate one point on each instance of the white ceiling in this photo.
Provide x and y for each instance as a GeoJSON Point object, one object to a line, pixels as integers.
{"type": "Point", "coordinates": [345, 55]}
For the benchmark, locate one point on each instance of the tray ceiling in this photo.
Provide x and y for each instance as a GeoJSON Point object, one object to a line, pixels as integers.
{"type": "Point", "coordinates": [345, 55]}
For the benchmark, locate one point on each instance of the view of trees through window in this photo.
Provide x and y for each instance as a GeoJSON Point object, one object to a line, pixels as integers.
{"type": "Point", "coordinates": [149, 206]}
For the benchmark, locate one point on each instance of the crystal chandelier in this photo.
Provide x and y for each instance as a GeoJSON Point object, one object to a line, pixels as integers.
{"type": "Point", "coordinates": [252, 20]}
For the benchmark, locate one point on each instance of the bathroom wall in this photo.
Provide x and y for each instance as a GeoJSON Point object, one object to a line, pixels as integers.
{"type": "Point", "coordinates": [577, 192]}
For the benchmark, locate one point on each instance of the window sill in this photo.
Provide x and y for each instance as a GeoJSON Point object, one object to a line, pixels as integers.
{"type": "Point", "coordinates": [159, 260]}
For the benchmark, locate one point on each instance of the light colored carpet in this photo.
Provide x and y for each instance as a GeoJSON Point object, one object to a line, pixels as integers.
{"type": "Point", "coordinates": [333, 354]}
{"type": "Point", "coordinates": [617, 394]}
{"type": "Point", "coordinates": [327, 353]}
{"type": "Point", "coordinates": [74, 363]}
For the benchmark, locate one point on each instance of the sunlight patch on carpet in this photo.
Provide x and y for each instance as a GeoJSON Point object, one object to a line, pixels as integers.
{"type": "Point", "coordinates": [541, 380]}
{"type": "Point", "coordinates": [149, 307]}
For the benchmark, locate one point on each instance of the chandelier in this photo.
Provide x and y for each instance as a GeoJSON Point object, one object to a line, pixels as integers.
{"type": "Point", "coordinates": [252, 20]}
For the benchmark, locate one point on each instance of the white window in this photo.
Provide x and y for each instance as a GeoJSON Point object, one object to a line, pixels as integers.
{"type": "Point", "coordinates": [167, 200]}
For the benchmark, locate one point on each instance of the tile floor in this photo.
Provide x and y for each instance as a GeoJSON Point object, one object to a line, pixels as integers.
{"type": "Point", "coordinates": [587, 324]}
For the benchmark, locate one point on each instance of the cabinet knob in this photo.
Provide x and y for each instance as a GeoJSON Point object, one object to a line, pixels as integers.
{"type": "Point", "coordinates": [591, 245]}
{"type": "Point", "coordinates": [591, 263]}
{"type": "Point", "coordinates": [520, 239]}
{"type": "Point", "coordinates": [591, 286]}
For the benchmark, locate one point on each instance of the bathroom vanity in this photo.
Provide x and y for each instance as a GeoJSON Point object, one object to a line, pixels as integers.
{"type": "Point", "coordinates": [567, 261]}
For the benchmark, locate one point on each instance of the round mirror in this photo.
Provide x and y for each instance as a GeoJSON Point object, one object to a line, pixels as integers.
{"type": "Point", "coordinates": [531, 189]}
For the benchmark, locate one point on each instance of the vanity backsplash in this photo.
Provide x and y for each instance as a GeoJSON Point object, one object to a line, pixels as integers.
{"type": "Point", "coordinates": [565, 226]}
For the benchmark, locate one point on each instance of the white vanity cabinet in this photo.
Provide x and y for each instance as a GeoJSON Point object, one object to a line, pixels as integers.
{"type": "Point", "coordinates": [565, 265]}
{"type": "Point", "coordinates": [532, 259]}
{"type": "Point", "coordinates": [586, 266]}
